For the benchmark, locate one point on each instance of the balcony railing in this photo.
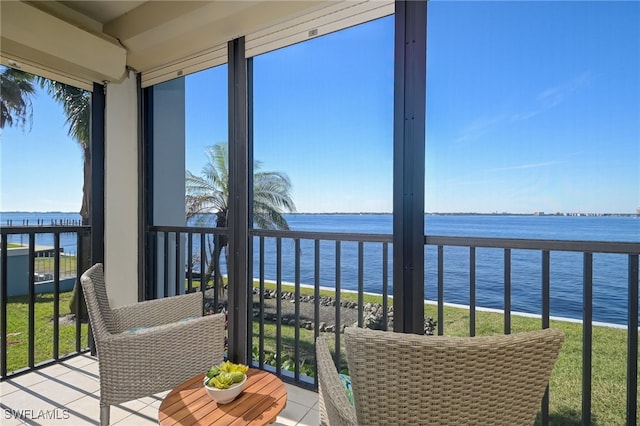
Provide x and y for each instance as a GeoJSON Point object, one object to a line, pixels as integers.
{"type": "Point", "coordinates": [321, 268]}
{"type": "Point", "coordinates": [37, 273]}
{"type": "Point", "coordinates": [180, 259]}
{"type": "Point", "coordinates": [546, 247]}
{"type": "Point", "coordinates": [351, 273]}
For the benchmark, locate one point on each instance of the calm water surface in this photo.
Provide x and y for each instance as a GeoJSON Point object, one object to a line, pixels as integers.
{"type": "Point", "coordinates": [609, 271]}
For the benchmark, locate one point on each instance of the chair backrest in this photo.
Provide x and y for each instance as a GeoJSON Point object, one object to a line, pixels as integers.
{"type": "Point", "coordinates": [411, 379]}
{"type": "Point", "coordinates": [335, 408]}
{"type": "Point", "coordinates": [95, 295]}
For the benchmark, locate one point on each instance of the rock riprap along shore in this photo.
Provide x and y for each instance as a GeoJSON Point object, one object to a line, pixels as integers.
{"type": "Point", "coordinates": [372, 313]}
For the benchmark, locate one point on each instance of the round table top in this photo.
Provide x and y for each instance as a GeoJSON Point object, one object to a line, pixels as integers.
{"type": "Point", "coordinates": [264, 397]}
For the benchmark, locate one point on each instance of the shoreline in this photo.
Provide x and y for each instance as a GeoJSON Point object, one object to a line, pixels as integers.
{"type": "Point", "coordinates": [461, 306]}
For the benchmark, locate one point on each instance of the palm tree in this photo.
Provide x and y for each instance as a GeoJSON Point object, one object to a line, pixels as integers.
{"type": "Point", "coordinates": [16, 89]}
{"type": "Point", "coordinates": [209, 194]}
{"type": "Point", "coordinates": [76, 104]}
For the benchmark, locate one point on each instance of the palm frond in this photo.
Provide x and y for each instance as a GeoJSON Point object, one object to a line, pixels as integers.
{"type": "Point", "coordinates": [16, 89]}
{"type": "Point", "coordinates": [76, 103]}
{"type": "Point", "coordinates": [209, 192]}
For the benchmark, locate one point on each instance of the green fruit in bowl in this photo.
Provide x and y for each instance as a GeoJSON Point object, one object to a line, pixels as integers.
{"type": "Point", "coordinates": [221, 381]}
{"type": "Point", "coordinates": [225, 375]}
{"type": "Point", "coordinates": [213, 371]}
{"type": "Point", "coordinates": [231, 367]}
{"type": "Point", "coordinates": [237, 376]}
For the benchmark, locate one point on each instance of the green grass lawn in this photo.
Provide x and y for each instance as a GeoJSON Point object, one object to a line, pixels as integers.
{"type": "Point", "coordinates": [609, 351]}
{"type": "Point", "coordinates": [18, 330]}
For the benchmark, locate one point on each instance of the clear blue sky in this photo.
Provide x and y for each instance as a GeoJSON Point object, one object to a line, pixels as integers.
{"type": "Point", "coordinates": [531, 106]}
{"type": "Point", "coordinates": [41, 166]}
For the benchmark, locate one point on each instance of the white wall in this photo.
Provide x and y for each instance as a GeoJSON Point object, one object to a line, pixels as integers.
{"type": "Point", "coordinates": [121, 192]}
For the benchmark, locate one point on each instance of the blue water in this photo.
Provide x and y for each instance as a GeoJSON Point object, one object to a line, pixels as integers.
{"type": "Point", "coordinates": [68, 242]}
{"type": "Point", "coordinates": [610, 280]}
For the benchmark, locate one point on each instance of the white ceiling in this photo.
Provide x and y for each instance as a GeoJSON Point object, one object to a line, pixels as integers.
{"type": "Point", "coordinates": [102, 11]}
{"type": "Point", "coordinates": [162, 38]}
{"type": "Point", "coordinates": [155, 33]}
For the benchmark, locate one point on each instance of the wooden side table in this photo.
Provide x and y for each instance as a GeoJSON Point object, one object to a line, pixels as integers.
{"type": "Point", "coordinates": [263, 398]}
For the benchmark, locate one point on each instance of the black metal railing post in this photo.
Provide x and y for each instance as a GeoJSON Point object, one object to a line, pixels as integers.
{"type": "Point", "coordinates": [3, 305]}
{"type": "Point", "coordinates": [440, 290]}
{"type": "Point", "coordinates": [632, 342]}
{"type": "Point", "coordinates": [546, 282]}
{"type": "Point", "coordinates": [338, 284]}
{"type": "Point", "coordinates": [587, 336]}
{"type": "Point", "coordinates": [472, 291]}
{"type": "Point", "coordinates": [296, 330]}
{"type": "Point", "coordinates": [360, 282]}
{"type": "Point", "coordinates": [261, 314]}
{"type": "Point", "coordinates": [32, 301]}
{"type": "Point", "coordinates": [82, 265]}
{"type": "Point", "coordinates": [56, 295]}
{"type": "Point", "coordinates": [507, 291]}
{"type": "Point", "coordinates": [278, 350]}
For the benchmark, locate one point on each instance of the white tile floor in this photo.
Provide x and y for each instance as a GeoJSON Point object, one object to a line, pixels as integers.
{"type": "Point", "coordinates": [68, 393]}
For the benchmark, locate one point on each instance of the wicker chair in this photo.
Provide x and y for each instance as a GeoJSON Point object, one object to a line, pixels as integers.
{"type": "Point", "coordinates": [148, 347]}
{"type": "Point", "coordinates": [335, 408]}
{"type": "Point", "coordinates": [410, 379]}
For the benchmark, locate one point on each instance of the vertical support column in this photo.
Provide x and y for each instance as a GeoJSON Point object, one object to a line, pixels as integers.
{"type": "Point", "coordinates": [144, 139]}
{"type": "Point", "coordinates": [96, 195]}
{"type": "Point", "coordinates": [250, 182]}
{"type": "Point", "coordinates": [96, 209]}
{"type": "Point", "coordinates": [168, 184]}
{"type": "Point", "coordinates": [408, 165]}
{"type": "Point", "coordinates": [238, 220]}
{"type": "Point", "coordinates": [147, 277]}
{"type": "Point", "coordinates": [121, 191]}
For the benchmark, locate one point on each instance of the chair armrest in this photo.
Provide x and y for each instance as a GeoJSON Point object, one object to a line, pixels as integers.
{"type": "Point", "coordinates": [333, 403]}
{"type": "Point", "coordinates": [158, 311]}
{"type": "Point", "coordinates": [159, 358]}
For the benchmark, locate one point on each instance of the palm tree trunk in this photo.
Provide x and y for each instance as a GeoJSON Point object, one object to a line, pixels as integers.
{"type": "Point", "coordinates": [84, 252]}
{"type": "Point", "coordinates": [219, 244]}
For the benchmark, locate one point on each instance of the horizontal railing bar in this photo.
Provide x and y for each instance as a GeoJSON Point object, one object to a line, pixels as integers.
{"type": "Point", "coordinates": [435, 240]}
{"type": "Point", "coordinates": [323, 236]}
{"type": "Point", "coordinates": [532, 244]}
{"type": "Point", "coordinates": [60, 229]}
{"type": "Point", "coordinates": [192, 229]}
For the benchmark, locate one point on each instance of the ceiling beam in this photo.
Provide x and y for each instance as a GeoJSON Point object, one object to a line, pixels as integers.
{"type": "Point", "coordinates": [159, 33]}
{"type": "Point", "coordinates": [38, 38]}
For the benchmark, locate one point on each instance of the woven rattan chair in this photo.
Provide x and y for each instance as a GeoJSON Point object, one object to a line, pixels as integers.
{"type": "Point", "coordinates": [406, 379]}
{"type": "Point", "coordinates": [148, 347]}
{"type": "Point", "coordinates": [335, 408]}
